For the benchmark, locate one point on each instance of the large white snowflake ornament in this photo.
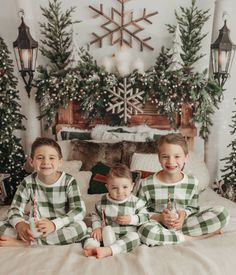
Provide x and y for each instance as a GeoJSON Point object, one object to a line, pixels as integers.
{"type": "Point", "coordinates": [125, 100]}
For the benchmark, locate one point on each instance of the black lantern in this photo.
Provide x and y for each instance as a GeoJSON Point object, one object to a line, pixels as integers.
{"type": "Point", "coordinates": [222, 55]}
{"type": "Point", "coordinates": [26, 50]}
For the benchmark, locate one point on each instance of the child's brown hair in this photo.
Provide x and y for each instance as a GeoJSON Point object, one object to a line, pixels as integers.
{"type": "Point", "coordinates": [173, 138]}
{"type": "Point", "coordinates": [40, 141]}
{"type": "Point", "coordinates": [119, 170]}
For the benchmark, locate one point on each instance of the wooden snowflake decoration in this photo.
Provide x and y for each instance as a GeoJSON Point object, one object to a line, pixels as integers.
{"type": "Point", "coordinates": [125, 101]}
{"type": "Point", "coordinates": [125, 29]}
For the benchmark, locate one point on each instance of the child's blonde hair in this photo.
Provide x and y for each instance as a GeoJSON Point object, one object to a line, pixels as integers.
{"type": "Point", "coordinates": [119, 170]}
{"type": "Point", "coordinates": [40, 141]}
{"type": "Point", "coordinates": [177, 139]}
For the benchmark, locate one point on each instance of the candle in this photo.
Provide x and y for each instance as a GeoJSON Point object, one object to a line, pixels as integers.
{"type": "Point", "coordinates": [139, 65]}
{"type": "Point", "coordinates": [108, 64]}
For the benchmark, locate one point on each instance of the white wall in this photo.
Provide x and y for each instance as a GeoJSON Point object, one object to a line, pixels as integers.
{"type": "Point", "coordinates": [220, 136]}
{"type": "Point", "coordinates": [9, 22]}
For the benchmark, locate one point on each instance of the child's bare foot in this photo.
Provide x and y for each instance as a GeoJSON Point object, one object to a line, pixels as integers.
{"type": "Point", "coordinates": [90, 251]}
{"type": "Point", "coordinates": [10, 241]}
{"type": "Point", "coordinates": [103, 252]}
{"type": "Point", "coordinates": [192, 238]}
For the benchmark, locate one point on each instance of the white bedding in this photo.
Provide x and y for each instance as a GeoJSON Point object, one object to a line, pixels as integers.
{"type": "Point", "coordinates": [213, 256]}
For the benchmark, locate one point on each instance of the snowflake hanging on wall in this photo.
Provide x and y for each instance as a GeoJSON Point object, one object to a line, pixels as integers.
{"type": "Point", "coordinates": [125, 100]}
{"type": "Point", "coordinates": [126, 30]}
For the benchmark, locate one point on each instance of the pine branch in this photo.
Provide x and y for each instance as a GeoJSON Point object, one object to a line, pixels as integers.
{"type": "Point", "coordinates": [191, 21]}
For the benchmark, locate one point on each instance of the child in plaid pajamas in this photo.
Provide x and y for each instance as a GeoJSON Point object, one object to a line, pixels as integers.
{"type": "Point", "coordinates": [171, 183]}
{"type": "Point", "coordinates": [59, 206]}
{"type": "Point", "coordinates": [122, 210]}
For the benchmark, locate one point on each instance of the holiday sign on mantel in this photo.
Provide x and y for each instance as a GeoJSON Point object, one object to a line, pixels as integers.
{"type": "Point", "coordinates": [126, 29]}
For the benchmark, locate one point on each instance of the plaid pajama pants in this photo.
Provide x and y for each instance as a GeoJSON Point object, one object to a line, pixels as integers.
{"type": "Point", "coordinates": [205, 221]}
{"type": "Point", "coordinates": [75, 232]}
{"type": "Point", "coordinates": [123, 243]}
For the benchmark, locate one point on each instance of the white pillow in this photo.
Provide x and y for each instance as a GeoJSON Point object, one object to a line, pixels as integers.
{"type": "Point", "coordinates": [126, 136]}
{"type": "Point", "coordinates": [83, 178]}
{"type": "Point", "coordinates": [70, 129]}
{"type": "Point", "coordinates": [71, 166]}
{"type": "Point", "coordinates": [65, 148]}
{"type": "Point", "coordinates": [145, 162]}
{"type": "Point", "coordinates": [136, 133]}
{"type": "Point", "coordinates": [194, 166]}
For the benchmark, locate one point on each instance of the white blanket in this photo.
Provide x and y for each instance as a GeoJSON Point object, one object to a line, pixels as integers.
{"type": "Point", "coordinates": [213, 256]}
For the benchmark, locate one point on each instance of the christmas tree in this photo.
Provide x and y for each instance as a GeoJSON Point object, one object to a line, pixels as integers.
{"type": "Point", "coordinates": [12, 155]}
{"type": "Point", "coordinates": [229, 171]}
{"type": "Point", "coordinates": [191, 21]}
{"type": "Point", "coordinates": [175, 52]}
{"type": "Point", "coordinates": [71, 74]}
{"type": "Point", "coordinates": [56, 47]}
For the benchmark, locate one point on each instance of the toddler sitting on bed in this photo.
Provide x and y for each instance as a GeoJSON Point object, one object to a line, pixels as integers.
{"type": "Point", "coordinates": [171, 187]}
{"type": "Point", "coordinates": [55, 198]}
{"type": "Point", "coordinates": [119, 209]}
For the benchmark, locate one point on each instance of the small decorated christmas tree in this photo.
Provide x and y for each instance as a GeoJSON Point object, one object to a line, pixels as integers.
{"type": "Point", "coordinates": [12, 155]}
{"type": "Point", "coordinates": [176, 52]}
{"type": "Point", "coordinates": [229, 170]}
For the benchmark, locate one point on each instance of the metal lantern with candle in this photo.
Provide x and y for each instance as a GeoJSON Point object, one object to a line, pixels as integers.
{"type": "Point", "coordinates": [26, 50]}
{"type": "Point", "coordinates": [222, 55]}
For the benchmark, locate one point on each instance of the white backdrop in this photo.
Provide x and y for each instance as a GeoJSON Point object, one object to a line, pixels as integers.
{"type": "Point", "coordinates": [9, 22]}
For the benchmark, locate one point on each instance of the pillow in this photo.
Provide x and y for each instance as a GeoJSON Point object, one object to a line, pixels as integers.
{"type": "Point", "coordinates": [126, 136]}
{"type": "Point", "coordinates": [68, 132]}
{"type": "Point", "coordinates": [90, 152]}
{"type": "Point", "coordinates": [194, 166]}
{"type": "Point", "coordinates": [130, 147]}
{"type": "Point", "coordinates": [65, 148]}
{"type": "Point", "coordinates": [197, 167]}
{"type": "Point", "coordinates": [98, 179]}
{"type": "Point", "coordinates": [145, 162]}
{"type": "Point", "coordinates": [143, 131]}
{"type": "Point", "coordinates": [75, 135]}
{"type": "Point", "coordinates": [71, 167]}
{"type": "Point", "coordinates": [83, 178]}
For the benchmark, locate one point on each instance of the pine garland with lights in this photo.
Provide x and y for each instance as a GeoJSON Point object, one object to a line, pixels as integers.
{"type": "Point", "coordinates": [170, 89]}
{"type": "Point", "coordinates": [58, 83]}
{"type": "Point", "coordinates": [88, 84]}
{"type": "Point", "coordinates": [12, 156]}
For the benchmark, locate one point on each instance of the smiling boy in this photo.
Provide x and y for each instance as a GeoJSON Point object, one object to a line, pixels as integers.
{"type": "Point", "coordinates": [171, 183]}
{"type": "Point", "coordinates": [55, 200]}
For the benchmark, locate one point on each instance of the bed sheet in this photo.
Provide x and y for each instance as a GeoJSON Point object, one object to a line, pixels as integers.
{"type": "Point", "coordinates": [213, 256]}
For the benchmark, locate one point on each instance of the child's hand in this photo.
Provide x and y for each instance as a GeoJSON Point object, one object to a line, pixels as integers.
{"type": "Point", "coordinates": [24, 231]}
{"type": "Point", "coordinates": [123, 219]}
{"type": "Point", "coordinates": [45, 226]}
{"type": "Point", "coordinates": [97, 234]}
{"type": "Point", "coordinates": [178, 223]}
{"type": "Point", "coordinates": [167, 219]}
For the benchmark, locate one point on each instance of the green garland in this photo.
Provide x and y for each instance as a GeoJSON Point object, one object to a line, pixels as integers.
{"type": "Point", "coordinates": [88, 84]}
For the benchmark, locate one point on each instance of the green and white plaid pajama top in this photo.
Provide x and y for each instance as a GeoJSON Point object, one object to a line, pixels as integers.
{"type": "Point", "coordinates": [127, 237]}
{"type": "Point", "coordinates": [60, 202]}
{"type": "Point", "coordinates": [198, 221]}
